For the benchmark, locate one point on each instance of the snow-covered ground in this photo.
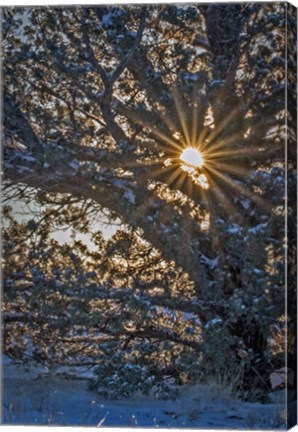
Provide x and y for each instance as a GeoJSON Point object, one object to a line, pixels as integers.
{"type": "Point", "coordinates": [29, 398]}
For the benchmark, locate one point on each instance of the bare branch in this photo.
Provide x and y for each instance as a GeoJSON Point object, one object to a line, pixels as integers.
{"type": "Point", "coordinates": [96, 65]}
{"type": "Point", "coordinates": [123, 64]}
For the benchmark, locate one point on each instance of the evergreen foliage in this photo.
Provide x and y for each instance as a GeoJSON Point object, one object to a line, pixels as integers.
{"type": "Point", "coordinates": [96, 103]}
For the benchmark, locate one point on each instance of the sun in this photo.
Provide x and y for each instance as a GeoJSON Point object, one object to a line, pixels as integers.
{"type": "Point", "coordinates": [192, 157]}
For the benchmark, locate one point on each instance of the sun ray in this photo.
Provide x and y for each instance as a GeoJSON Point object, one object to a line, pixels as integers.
{"type": "Point", "coordinates": [202, 137]}
{"type": "Point", "coordinates": [229, 209]}
{"type": "Point", "coordinates": [256, 198]}
{"type": "Point", "coordinates": [225, 154]}
{"type": "Point", "coordinates": [229, 117]}
{"type": "Point", "coordinates": [165, 117]}
{"type": "Point", "coordinates": [189, 188]}
{"type": "Point", "coordinates": [173, 176]}
{"type": "Point", "coordinates": [191, 146]}
{"type": "Point", "coordinates": [155, 131]}
{"type": "Point", "coordinates": [209, 146]}
{"type": "Point", "coordinates": [166, 139]}
{"type": "Point", "coordinates": [235, 154]}
{"type": "Point", "coordinates": [166, 174]}
{"type": "Point", "coordinates": [222, 198]}
{"type": "Point", "coordinates": [235, 170]}
{"type": "Point", "coordinates": [181, 118]}
{"type": "Point", "coordinates": [181, 180]}
{"type": "Point", "coordinates": [138, 163]}
{"type": "Point", "coordinates": [164, 167]}
{"type": "Point", "coordinates": [196, 109]}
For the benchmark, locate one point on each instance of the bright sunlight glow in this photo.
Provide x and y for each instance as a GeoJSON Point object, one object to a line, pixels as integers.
{"type": "Point", "coordinates": [192, 157]}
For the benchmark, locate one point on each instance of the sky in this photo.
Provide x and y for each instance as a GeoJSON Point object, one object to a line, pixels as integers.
{"type": "Point", "coordinates": [22, 213]}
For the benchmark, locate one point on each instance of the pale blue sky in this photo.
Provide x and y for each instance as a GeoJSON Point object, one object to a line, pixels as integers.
{"type": "Point", "coordinates": [24, 212]}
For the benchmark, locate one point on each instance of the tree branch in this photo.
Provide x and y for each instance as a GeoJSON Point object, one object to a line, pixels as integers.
{"type": "Point", "coordinates": [123, 64]}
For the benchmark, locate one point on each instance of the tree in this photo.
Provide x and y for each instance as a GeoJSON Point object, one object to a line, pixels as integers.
{"type": "Point", "coordinates": [98, 106]}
